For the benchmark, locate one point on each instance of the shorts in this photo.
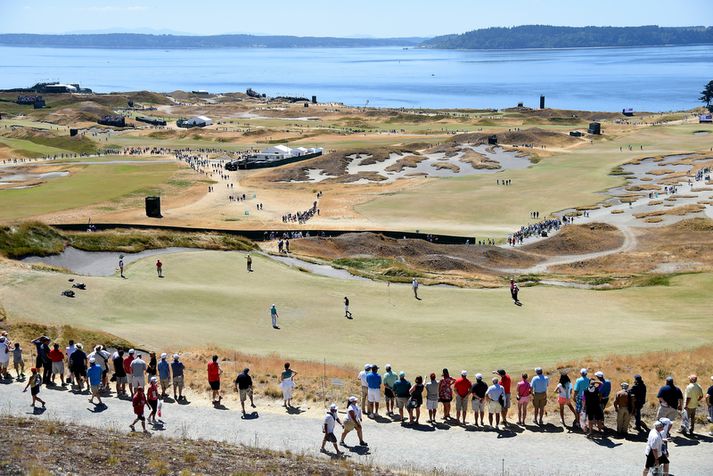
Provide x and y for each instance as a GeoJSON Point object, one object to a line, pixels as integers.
{"type": "Point", "coordinates": [507, 401]}
{"type": "Point", "coordinates": [461, 403]}
{"type": "Point", "coordinates": [34, 390]}
{"type": "Point", "coordinates": [494, 407]}
{"type": "Point", "coordinates": [95, 388]}
{"type": "Point", "coordinates": [596, 414]}
{"type": "Point", "coordinates": [178, 382]}
{"type": "Point", "coordinates": [373, 395]}
{"type": "Point", "coordinates": [140, 416]}
{"type": "Point", "coordinates": [388, 393]}
{"type": "Point", "coordinates": [165, 382]}
{"type": "Point", "coordinates": [477, 404]}
{"type": "Point", "coordinates": [524, 400]}
{"type": "Point", "coordinates": [330, 437]}
{"type": "Point", "coordinates": [651, 461]}
{"type": "Point", "coordinates": [153, 404]}
{"type": "Point", "coordinates": [349, 425]}
{"type": "Point", "coordinates": [666, 412]}
{"type": "Point", "coordinates": [562, 400]}
{"type": "Point", "coordinates": [80, 373]}
{"type": "Point", "coordinates": [364, 391]}
{"type": "Point", "coordinates": [245, 393]}
{"type": "Point", "coordinates": [121, 380]}
{"type": "Point", "coordinates": [539, 400]}
{"type": "Point", "coordinates": [138, 381]}
{"type": "Point", "coordinates": [215, 385]}
{"type": "Point", "coordinates": [58, 368]}
{"type": "Point", "coordinates": [401, 402]}
{"type": "Point", "coordinates": [431, 404]}
{"type": "Point", "coordinates": [445, 400]}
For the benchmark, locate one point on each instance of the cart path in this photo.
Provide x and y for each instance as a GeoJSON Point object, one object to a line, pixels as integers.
{"type": "Point", "coordinates": [448, 449]}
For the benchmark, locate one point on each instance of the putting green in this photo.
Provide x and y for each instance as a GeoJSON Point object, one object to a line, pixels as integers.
{"type": "Point", "coordinates": [208, 298]}
{"type": "Point", "coordinates": [86, 185]}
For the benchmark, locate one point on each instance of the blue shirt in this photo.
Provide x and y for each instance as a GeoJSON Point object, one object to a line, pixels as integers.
{"type": "Point", "coordinates": [539, 383]}
{"type": "Point", "coordinates": [163, 370]}
{"type": "Point", "coordinates": [95, 374]}
{"type": "Point", "coordinates": [581, 384]}
{"type": "Point", "coordinates": [177, 369]}
{"type": "Point", "coordinates": [605, 389]}
{"type": "Point", "coordinates": [373, 380]}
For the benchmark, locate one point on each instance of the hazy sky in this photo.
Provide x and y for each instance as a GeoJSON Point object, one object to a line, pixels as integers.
{"type": "Point", "coordinates": [383, 18]}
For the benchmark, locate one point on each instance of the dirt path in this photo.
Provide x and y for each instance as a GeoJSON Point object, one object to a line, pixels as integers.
{"type": "Point", "coordinates": [449, 449]}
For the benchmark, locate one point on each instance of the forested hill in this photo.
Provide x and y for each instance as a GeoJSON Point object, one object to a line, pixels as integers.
{"type": "Point", "coordinates": [543, 36]}
{"type": "Point", "coordinates": [131, 40]}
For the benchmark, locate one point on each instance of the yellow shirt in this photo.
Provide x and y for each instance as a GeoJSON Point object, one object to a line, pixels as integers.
{"type": "Point", "coordinates": [694, 392]}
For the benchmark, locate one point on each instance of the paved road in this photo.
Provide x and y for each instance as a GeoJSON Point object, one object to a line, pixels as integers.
{"type": "Point", "coordinates": [448, 449]}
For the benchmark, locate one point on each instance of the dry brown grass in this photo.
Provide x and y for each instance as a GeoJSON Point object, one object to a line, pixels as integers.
{"type": "Point", "coordinates": [677, 211]}
{"type": "Point", "coordinates": [446, 166]}
{"type": "Point", "coordinates": [408, 161]}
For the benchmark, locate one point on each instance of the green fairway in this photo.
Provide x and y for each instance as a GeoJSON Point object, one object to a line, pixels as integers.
{"type": "Point", "coordinates": [208, 298]}
{"type": "Point", "coordinates": [86, 185]}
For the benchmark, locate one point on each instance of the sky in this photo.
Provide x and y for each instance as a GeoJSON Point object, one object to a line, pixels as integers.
{"type": "Point", "coordinates": [367, 18]}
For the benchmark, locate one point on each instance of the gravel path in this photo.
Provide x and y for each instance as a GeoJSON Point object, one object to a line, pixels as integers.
{"type": "Point", "coordinates": [449, 449]}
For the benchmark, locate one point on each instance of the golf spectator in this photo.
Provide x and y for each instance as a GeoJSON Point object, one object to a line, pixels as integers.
{"type": "Point", "coordinates": [604, 388]}
{"type": "Point", "coordinates": [506, 383]}
{"type": "Point", "coordinates": [402, 388]}
{"type": "Point", "coordinates": [373, 381]}
{"type": "Point", "coordinates": [164, 374]}
{"type": "Point", "coordinates": [56, 356]}
{"type": "Point", "coordinates": [138, 369]}
{"type": "Point", "coordinates": [539, 385]}
{"type": "Point", "coordinates": [152, 367]}
{"type": "Point", "coordinates": [214, 372]}
{"type": "Point", "coordinates": [564, 396]}
{"type": "Point", "coordinates": [389, 378]}
{"type": "Point", "coordinates": [638, 391]}
{"type": "Point", "coordinates": [353, 421]}
{"type": "Point", "coordinates": [127, 368]}
{"type": "Point", "coordinates": [274, 316]}
{"type": "Point", "coordinates": [101, 357]}
{"type": "Point", "coordinates": [4, 357]}
{"type": "Point", "coordinates": [415, 400]}
{"type": "Point", "coordinates": [593, 407]}
{"type": "Point", "coordinates": [159, 268]}
{"type": "Point", "coordinates": [68, 353]}
{"type": "Point", "coordinates": [364, 384]}
{"type": "Point", "coordinates": [94, 375]}
{"type": "Point", "coordinates": [580, 386]}
{"type": "Point", "coordinates": [330, 422]}
{"type": "Point", "coordinates": [670, 400]}
{"type": "Point", "coordinates": [138, 402]}
{"type": "Point", "coordinates": [78, 366]}
{"type": "Point", "coordinates": [287, 384]}
{"type": "Point", "coordinates": [692, 398]}
{"type": "Point", "coordinates": [479, 391]}
{"type": "Point", "coordinates": [524, 390]}
{"type": "Point", "coordinates": [177, 369]}
{"type": "Point", "coordinates": [462, 387]}
{"type": "Point", "coordinates": [665, 439]}
{"type": "Point", "coordinates": [119, 372]}
{"type": "Point", "coordinates": [624, 405]}
{"type": "Point", "coordinates": [445, 393]}
{"type": "Point", "coordinates": [495, 397]}
{"type": "Point", "coordinates": [17, 361]}
{"type": "Point", "coordinates": [244, 386]}
{"type": "Point", "coordinates": [152, 398]}
{"type": "Point", "coordinates": [709, 403]}
{"type": "Point", "coordinates": [34, 383]}
{"type": "Point", "coordinates": [432, 398]}
{"type": "Point", "coordinates": [43, 362]}
{"type": "Point", "coordinates": [653, 448]}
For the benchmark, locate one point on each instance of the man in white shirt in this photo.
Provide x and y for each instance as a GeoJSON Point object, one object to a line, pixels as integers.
{"type": "Point", "coordinates": [353, 421]}
{"type": "Point", "coordinates": [653, 448]}
{"type": "Point", "coordinates": [69, 351]}
{"type": "Point", "coordinates": [414, 285]}
{"type": "Point", "coordinates": [330, 422]}
{"type": "Point", "coordinates": [493, 396]}
{"type": "Point", "coordinates": [364, 385]}
{"type": "Point", "coordinates": [138, 368]}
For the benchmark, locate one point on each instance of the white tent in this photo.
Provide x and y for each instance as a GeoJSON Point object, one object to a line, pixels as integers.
{"type": "Point", "coordinates": [199, 121]}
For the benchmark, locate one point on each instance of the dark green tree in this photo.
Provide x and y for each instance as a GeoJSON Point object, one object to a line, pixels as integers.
{"type": "Point", "coordinates": [707, 96]}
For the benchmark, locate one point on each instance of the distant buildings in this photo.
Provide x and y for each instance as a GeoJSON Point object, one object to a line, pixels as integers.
{"type": "Point", "coordinates": [35, 101]}
{"type": "Point", "coordinates": [151, 120]}
{"type": "Point", "coordinates": [196, 121]}
{"type": "Point", "coordinates": [277, 155]}
{"type": "Point", "coordinates": [628, 112]}
{"type": "Point", "coordinates": [595, 128]}
{"type": "Point", "coordinates": [705, 119]}
{"type": "Point", "coordinates": [114, 121]}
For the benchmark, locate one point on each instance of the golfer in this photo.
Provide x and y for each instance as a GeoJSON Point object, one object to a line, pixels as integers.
{"type": "Point", "coordinates": [274, 316]}
{"type": "Point", "coordinates": [249, 261]}
{"type": "Point", "coordinates": [121, 266]}
{"type": "Point", "coordinates": [159, 268]}
{"type": "Point", "coordinates": [414, 286]}
{"type": "Point", "coordinates": [347, 313]}
{"type": "Point", "coordinates": [514, 290]}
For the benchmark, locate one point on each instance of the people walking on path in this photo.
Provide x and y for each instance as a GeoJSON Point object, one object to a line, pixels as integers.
{"type": "Point", "coordinates": [94, 375]}
{"type": "Point", "coordinates": [244, 387]}
{"type": "Point", "coordinates": [638, 391]}
{"type": "Point", "coordinates": [138, 371]}
{"type": "Point", "coordinates": [709, 403]}
{"type": "Point", "coordinates": [17, 361]}
{"type": "Point", "coordinates": [78, 366]}
{"type": "Point", "coordinates": [564, 396]}
{"type": "Point", "coordinates": [34, 383]}
{"type": "Point", "coordinates": [479, 392]}
{"type": "Point", "coordinates": [287, 384]}
{"type": "Point", "coordinates": [432, 397]}
{"type": "Point", "coordinates": [445, 393]}
{"type": "Point", "coordinates": [402, 389]}
{"type": "Point", "coordinates": [68, 351]}
{"type": "Point", "coordinates": [462, 387]}
{"type": "Point", "coordinates": [414, 286]}
{"type": "Point", "coordinates": [159, 268]}
{"type": "Point", "coordinates": [539, 385]}
{"type": "Point", "coordinates": [353, 422]}
{"type": "Point", "coordinates": [524, 390]}
{"type": "Point", "coordinates": [119, 372]}
{"type": "Point", "coordinates": [604, 389]}
{"type": "Point", "coordinates": [152, 399]}
{"type": "Point", "coordinates": [373, 381]}
{"type": "Point", "coordinates": [214, 372]}
{"type": "Point", "coordinates": [495, 396]}
{"type": "Point", "coordinates": [56, 356]}
{"type": "Point", "coordinates": [347, 312]}
{"type": "Point", "coordinates": [177, 369]}
{"type": "Point", "coordinates": [623, 405]}
{"type": "Point", "coordinates": [138, 402]}
{"type": "Point", "coordinates": [4, 357]}
{"type": "Point", "coordinates": [274, 316]}
{"type": "Point", "coordinates": [389, 378]}
{"type": "Point", "coordinates": [653, 449]}
{"type": "Point", "coordinates": [330, 422]}
{"type": "Point", "coordinates": [692, 399]}
{"type": "Point", "coordinates": [131, 355]}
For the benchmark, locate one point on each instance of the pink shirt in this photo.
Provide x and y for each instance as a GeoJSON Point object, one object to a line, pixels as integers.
{"type": "Point", "coordinates": [523, 388]}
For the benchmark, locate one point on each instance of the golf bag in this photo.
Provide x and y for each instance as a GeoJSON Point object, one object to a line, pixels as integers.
{"type": "Point", "coordinates": [68, 293]}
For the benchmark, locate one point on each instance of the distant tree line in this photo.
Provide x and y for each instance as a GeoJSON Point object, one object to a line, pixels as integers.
{"type": "Point", "coordinates": [543, 36]}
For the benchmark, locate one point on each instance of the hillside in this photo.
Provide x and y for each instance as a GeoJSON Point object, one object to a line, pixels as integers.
{"type": "Point", "coordinates": [546, 36]}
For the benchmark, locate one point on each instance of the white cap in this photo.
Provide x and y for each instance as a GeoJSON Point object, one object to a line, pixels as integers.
{"type": "Point", "coordinates": [175, 356]}
{"type": "Point", "coordinates": [132, 351]}
{"type": "Point", "coordinates": [333, 407]}
{"type": "Point", "coordinates": [599, 374]}
{"type": "Point", "coordinates": [92, 360]}
{"type": "Point", "coordinates": [538, 370]}
{"type": "Point", "coordinates": [479, 376]}
{"type": "Point", "coordinates": [367, 366]}
{"type": "Point", "coordinates": [353, 399]}
{"type": "Point", "coordinates": [464, 373]}
{"type": "Point", "coordinates": [163, 355]}
{"type": "Point", "coordinates": [388, 366]}
{"type": "Point", "coordinates": [154, 379]}
{"type": "Point", "coordinates": [583, 371]}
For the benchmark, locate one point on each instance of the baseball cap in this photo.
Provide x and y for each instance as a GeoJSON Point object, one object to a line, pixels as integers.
{"type": "Point", "coordinates": [154, 379]}
{"type": "Point", "coordinates": [175, 356]}
{"type": "Point", "coordinates": [92, 360]}
{"type": "Point", "coordinates": [353, 399]}
{"type": "Point", "coordinates": [387, 366]}
{"type": "Point", "coordinates": [599, 374]}
{"type": "Point", "coordinates": [538, 370]}
{"type": "Point", "coordinates": [479, 376]}
{"type": "Point", "coordinates": [402, 374]}
{"type": "Point", "coordinates": [624, 385]}
{"type": "Point", "coordinates": [333, 407]}
{"type": "Point", "coordinates": [367, 366]}
{"type": "Point", "coordinates": [583, 371]}
{"type": "Point", "coordinates": [131, 351]}
{"type": "Point", "coordinates": [163, 355]}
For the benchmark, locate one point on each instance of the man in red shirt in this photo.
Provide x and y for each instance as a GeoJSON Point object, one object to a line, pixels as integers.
{"type": "Point", "coordinates": [214, 372]}
{"type": "Point", "coordinates": [462, 388]}
{"type": "Point", "coordinates": [127, 368]}
{"type": "Point", "coordinates": [57, 358]}
{"type": "Point", "coordinates": [138, 401]}
{"type": "Point", "coordinates": [505, 382]}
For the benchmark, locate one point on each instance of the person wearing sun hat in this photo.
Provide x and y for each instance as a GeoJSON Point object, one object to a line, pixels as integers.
{"type": "Point", "coordinates": [353, 421]}
{"type": "Point", "coordinates": [330, 422]}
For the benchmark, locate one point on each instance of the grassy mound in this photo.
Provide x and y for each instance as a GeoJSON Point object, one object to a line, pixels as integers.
{"type": "Point", "coordinates": [32, 238]}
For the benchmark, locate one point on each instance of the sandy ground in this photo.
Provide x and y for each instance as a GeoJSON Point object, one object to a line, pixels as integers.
{"type": "Point", "coordinates": [423, 448]}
